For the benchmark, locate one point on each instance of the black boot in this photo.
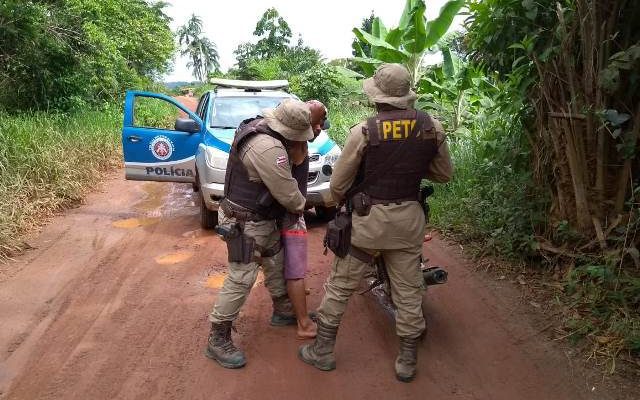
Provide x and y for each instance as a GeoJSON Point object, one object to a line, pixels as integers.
{"type": "Point", "coordinates": [221, 348]}
{"type": "Point", "coordinates": [320, 353]}
{"type": "Point", "coordinates": [407, 359]}
{"type": "Point", "coordinates": [283, 314]}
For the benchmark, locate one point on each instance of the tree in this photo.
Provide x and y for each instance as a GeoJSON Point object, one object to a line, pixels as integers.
{"type": "Point", "coordinates": [274, 58]}
{"type": "Point", "coordinates": [409, 41]}
{"type": "Point", "coordinates": [322, 82]}
{"type": "Point", "coordinates": [580, 65]}
{"type": "Point", "coordinates": [300, 58]}
{"type": "Point", "coordinates": [67, 53]}
{"type": "Point", "coordinates": [190, 31]}
{"type": "Point", "coordinates": [274, 34]}
{"type": "Point", "coordinates": [360, 48]}
{"type": "Point", "coordinates": [201, 51]}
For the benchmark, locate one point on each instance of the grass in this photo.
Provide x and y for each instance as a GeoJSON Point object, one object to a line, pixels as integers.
{"type": "Point", "coordinates": [602, 311]}
{"type": "Point", "coordinates": [48, 162]}
{"type": "Point", "coordinates": [343, 115]}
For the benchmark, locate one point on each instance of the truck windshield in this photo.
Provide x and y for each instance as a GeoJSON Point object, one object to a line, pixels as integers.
{"type": "Point", "coordinates": [229, 112]}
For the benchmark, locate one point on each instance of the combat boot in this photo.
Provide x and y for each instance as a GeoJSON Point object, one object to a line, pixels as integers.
{"type": "Point", "coordinates": [320, 353]}
{"type": "Point", "coordinates": [407, 359]}
{"type": "Point", "coordinates": [220, 347]}
{"type": "Point", "coordinates": [283, 314]}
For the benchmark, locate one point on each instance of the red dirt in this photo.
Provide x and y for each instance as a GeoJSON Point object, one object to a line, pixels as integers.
{"type": "Point", "coordinates": [189, 101]}
{"type": "Point", "coordinates": [112, 302]}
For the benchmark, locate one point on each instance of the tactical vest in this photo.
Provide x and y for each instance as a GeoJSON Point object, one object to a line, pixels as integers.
{"type": "Point", "coordinates": [387, 132]}
{"type": "Point", "coordinates": [254, 196]}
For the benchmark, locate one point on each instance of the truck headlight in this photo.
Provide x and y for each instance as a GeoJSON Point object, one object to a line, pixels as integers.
{"type": "Point", "coordinates": [332, 156]}
{"type": "Point", "coordinates": [216, 158]}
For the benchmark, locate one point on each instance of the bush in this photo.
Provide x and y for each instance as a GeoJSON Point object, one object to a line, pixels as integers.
{"type": "Point", "coordinates": [321, 82]}
{"type": "Point", "coordinates": [70, 53]}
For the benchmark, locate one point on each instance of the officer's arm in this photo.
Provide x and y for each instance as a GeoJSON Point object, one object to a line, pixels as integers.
{"type": "Point", "coordinates": [272, 165]}
{"type": "Point", "coordinates": [441, 168]}
{"type": "Point", "coordinates": [346, 168]}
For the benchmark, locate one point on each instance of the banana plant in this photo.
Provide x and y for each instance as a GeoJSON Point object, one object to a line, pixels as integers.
{"type": "Point", "coordinates": [454, 90]}
{"type": "Point", "coordinates": [408, 42]}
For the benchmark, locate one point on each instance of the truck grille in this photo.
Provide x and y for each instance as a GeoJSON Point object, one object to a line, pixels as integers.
{"type": "Point", "coordinates": [313, 176]}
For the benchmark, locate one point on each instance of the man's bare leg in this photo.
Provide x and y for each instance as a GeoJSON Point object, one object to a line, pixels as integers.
{"type": "Point", "coordinates": [306, 327]}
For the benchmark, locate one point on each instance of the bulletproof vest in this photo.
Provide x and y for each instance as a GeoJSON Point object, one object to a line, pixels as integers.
{"type": "Point", "coordinates": [387, 132]}
{"type": "Point", "coordinates": [237, 187]}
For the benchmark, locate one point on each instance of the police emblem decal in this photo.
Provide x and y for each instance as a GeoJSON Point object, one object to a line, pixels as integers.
{"type": "Point", "coordinates": [161, 147]}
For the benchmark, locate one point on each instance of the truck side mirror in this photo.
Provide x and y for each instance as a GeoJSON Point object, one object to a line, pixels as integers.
{"type": "Point", "coordinates": [187, 125]}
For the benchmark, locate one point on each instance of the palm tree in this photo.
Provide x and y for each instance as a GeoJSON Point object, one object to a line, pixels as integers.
{"type": "Point", "coordinates": [202, 52]}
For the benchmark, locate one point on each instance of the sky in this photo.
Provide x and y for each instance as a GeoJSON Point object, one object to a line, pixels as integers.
{"type": "Point", "coordinates": [327, 28]}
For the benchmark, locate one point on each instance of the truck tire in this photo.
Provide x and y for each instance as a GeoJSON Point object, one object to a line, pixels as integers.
{"type": "Point", "coordinates": [325, 213]}
{"type": "Point", "coordinates": [208, 218]}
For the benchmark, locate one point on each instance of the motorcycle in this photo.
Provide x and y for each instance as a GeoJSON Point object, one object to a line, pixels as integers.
{"type": "Point", "coordinates": [377, 279]}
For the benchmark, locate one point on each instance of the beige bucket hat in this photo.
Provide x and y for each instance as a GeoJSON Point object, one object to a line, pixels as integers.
{"type": "Point", "coordinates": [291, 118]}
{"type": "Point", "coordinates": [391, 84]}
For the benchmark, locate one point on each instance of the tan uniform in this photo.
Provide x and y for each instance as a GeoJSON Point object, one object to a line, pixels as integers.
{"type": "Point", "coordinates": [266, 160]}
{"type": "Point", "coordinates": [395, 230]}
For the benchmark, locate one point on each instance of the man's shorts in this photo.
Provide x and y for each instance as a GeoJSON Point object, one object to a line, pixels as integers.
{"type": "Point", "coordinates": [294, 243]}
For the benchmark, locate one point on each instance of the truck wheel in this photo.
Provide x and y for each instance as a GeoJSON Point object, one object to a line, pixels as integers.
{"type": "Point", "coordinates": [208, 218]}
{"type": "Point", "coordinates": [325, 213]}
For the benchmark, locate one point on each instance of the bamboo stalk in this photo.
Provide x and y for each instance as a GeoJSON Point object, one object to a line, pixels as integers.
{"type": "Point", "coordinates": [583, 215]}
{"type": "Point", "coordinates": [623, 180]}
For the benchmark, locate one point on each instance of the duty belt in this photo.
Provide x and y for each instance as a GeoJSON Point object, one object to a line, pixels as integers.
{"type": "Point", "coordinates": [386, 202]}
{"type": "Point", "coordinates": [239, 213]}
{"type": "Point", "coordinates": [361, 255]}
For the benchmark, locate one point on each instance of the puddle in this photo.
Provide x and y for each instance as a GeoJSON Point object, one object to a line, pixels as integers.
{"type": "Point", "coordinates": [164, 199]}
{"type": "Point", "coordinates": [155, 197]}
{"type": "Point", "coordinates": [173, 258]}
{"type": "Point", "coordinates": [131, 223]}
{"type": "Point", "coordinates": [215, 281]}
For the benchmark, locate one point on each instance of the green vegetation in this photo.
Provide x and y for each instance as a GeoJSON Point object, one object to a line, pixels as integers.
{"type": "Point", "coordinates": [71, 54]}
{"type": "Point", "coordinates": [408, 42]}
{"type": "Point", "coordinates": [64, 67]}
{"type": "Point", "coordinates": [343, 116]}
{"type": "Point", "coordinates": [49, 161]}
{"type": "Point", "coordinates": [201, 50]}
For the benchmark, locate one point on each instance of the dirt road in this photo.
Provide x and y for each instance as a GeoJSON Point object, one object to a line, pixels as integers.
{"type": "Point", "coordinates": [112, 303]}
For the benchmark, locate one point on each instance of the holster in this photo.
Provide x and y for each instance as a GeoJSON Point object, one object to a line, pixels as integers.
{"type": "Point", "coordinates": [338, 235]}
{"type": "Point", "coordinates": [240, 247]}
{"type": "Point", "coordinates": [361, 203]}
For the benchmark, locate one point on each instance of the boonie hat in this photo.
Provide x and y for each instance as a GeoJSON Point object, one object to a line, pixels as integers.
{"type": "Point", "coordinates": [391, 84]}
{"type": "Point", "coordinates": [291, 118]}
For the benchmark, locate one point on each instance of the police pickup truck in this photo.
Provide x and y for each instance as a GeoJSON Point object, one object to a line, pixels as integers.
{"type": "Point", "coordinates": [196, 148]}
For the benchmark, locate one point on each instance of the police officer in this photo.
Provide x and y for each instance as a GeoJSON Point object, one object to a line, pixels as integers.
{"type": "Point", "coordinates": [382, 164]}
{"type": "Point", "coordinates": [259, 189]}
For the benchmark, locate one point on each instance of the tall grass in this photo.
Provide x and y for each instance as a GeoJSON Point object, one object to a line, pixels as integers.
{"type": "Point", "coordinates": [490, 200]}
{"type": "Point", "coordinates": [47, 162]}
{"type": "Point", "coordinates": [343, 114]}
